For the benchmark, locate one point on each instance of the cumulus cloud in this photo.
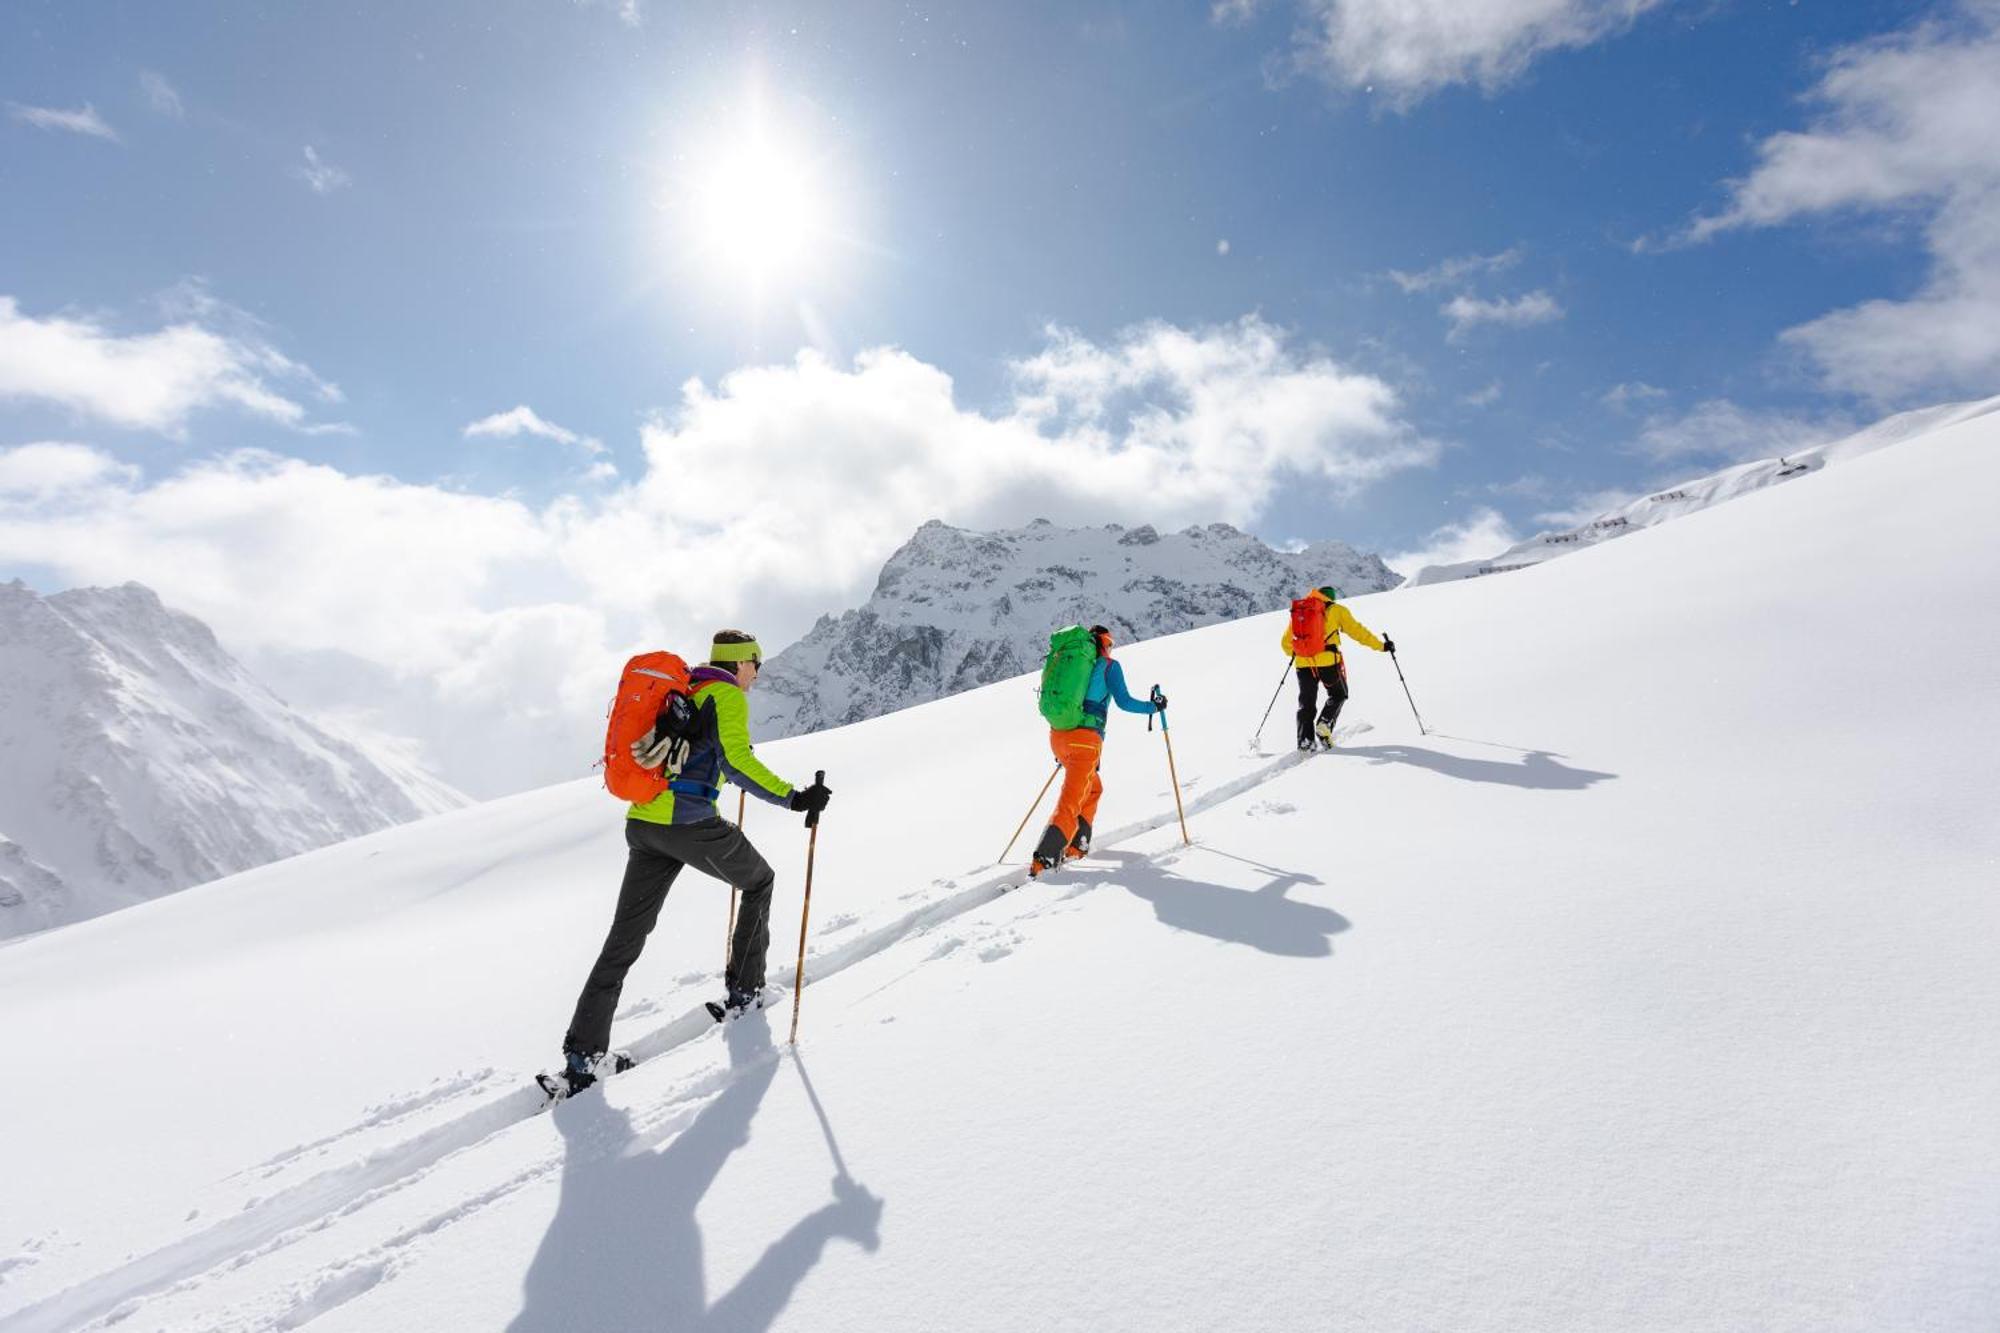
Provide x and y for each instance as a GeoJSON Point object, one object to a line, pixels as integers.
{"type": "Point", "coordinates": [1469, 312]}
{"type": "Point", "coordinates": [1450, 272]}
{"type": "Point", "coordinates": [48, 468]}
{"type": "Point", "coordinates": [160, 94]}
{"type": "Point", "coordinates": [1405, 50]}
{"type": "Point", "coordinates": [152, 381]}
{"type": "Point", "coordinates": [768, 498]}
{"type": "Point", "coordinates": [84, 121]}
{"type": "Point", "coordinates": [1901, 124]}
{"type": "Point", "coordinates": [322, 176]}
{"type": "Point", "coordinates": [1727, 432]}
{"type": "Point", "coordinates": [1485, 532]}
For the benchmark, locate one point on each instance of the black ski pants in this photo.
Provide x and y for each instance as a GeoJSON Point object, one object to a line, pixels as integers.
{"type": "Point", "coordinates": [1310, 679]}
{"type": "Point", "coordinates": [656, 854]}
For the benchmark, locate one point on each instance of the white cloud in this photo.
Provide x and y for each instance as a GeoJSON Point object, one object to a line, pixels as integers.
{"type": "Point", "coordinates": [1449, 272]}
{"type": "Point", "coordinates": [524, 420]}
{"type": "Point", "coordinates": [160, 94]}
{"type": "Point", "coordinates": [1229, 12]}
{"type": "Point", "coordinates": [49, 468]}
{"type": "Point", "coordinates": [1485, 397]}
{"type": "Point", "coordinates": [1405, 50]}
{"type": "Point", "coordinates": [150, 381]}
{"type": "Point", "coordinates": [519, 421]}
{"type": "Point", "coordinates": [1486, 532]}
{"type": "Point", "coordinates": [1621, 396]}
{"type": "Point", "coordinates": [1905, 124]}
{"type": "Point", "coordinates": [1724, 431]}
{"type": "Point", "coordinates": [1468, 312]}
{"type": "Point", "coordinates": [83, 121]}
{"type": "Point", "coordinates": [322, 176]}
{"type": "Point", "coordinates": [769, 497]}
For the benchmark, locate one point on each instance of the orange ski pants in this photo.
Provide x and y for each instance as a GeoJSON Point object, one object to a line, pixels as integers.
{"type": "Point", "coordinates": [1078, 751]}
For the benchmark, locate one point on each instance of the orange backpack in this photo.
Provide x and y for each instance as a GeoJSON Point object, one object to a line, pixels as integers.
{"type": "Point", "coordinates": [654, 702]}
{"type": "Point", "coordinates": [1308, 627]}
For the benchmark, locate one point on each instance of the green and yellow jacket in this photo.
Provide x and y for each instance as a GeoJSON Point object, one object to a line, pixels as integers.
{"type": "Point", "coordinates": [723, 752]}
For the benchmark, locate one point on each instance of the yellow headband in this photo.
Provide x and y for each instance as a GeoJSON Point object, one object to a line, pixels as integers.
{"type": "Point", "coordinates": [736, 652]}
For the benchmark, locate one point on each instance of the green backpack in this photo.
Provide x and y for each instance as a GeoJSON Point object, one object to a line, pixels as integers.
{"type": "Point", "coordinates": [1066, 676]}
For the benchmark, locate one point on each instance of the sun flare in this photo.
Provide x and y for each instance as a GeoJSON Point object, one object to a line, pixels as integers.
{"type": "Point", "coordinates": [755, 211]}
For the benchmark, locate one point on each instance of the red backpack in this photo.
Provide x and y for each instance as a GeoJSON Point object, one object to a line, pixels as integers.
{"type": "Point", "coordinates": [654, 702]}
{"type": "Point", "coordinates": [1308, 626]}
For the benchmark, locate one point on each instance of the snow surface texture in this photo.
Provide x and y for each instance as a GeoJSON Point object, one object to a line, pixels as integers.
{"type": "Point", "coordinates": [1653, 990]}
{"type": "Point", "coordinates": [141, 758]}
{"type": "Point", "coordinates": [955, 609]}
{"type": "Point", "coordinates": [1691, 497]}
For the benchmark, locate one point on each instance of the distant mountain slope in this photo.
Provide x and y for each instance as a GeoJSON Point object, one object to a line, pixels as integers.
{"type": "Point", "coordinates": [954, 609]}
{"type": "Point", "coordinates": [141, 758]}
{"type": "Point", "coordinates": [1693, 496]}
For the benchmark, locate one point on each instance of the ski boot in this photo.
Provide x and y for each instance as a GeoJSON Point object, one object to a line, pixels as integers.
{"type": "Point", "coordinates": [1048, 852]}
{"type": "Point", "coordinates": [736, 1004]}
{"type": "Point", "coordinates": [1080, 844]}
{"type": "Point", "coordinates": [1324, 730]}
{"type": "Point", "coordinates": [581, 1070]}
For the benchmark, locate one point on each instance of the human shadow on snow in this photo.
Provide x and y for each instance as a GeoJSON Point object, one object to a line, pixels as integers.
{"type": "Point", "coordinates": [1263, 918]}
{"type": "Point", "coordinates": [624, 1251]}
{"type": "Point", "coordinates": [1537, 769]}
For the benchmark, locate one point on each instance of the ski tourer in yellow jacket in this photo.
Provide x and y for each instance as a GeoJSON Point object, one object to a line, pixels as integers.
{"type": "Point", "coordinates": [1326, 668]}
{"type": "Point", "coordinates": [1339, 621]}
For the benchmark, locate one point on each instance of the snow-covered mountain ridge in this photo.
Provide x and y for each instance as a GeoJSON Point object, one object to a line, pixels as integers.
{"type": "Point", "coordinates": [954, 609]}
{"type": "Point", "coordinates": [1690, 497]}
{"type": "Point", "coordinates": [141, 758]}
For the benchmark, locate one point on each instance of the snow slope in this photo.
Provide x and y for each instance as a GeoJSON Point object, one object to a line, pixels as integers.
{"type": "Point", "coordinates": [1653, 990]}
{"type": "Point", "coordinates": [954, 609]}
{"type": "Point", "coordinates": [142, 758]}
{"type": "Point", "coordinates": [1691, 497]}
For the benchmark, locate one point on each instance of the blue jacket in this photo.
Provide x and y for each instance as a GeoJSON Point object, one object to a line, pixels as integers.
{"type": "Point", "coordinates": [1107, 685]}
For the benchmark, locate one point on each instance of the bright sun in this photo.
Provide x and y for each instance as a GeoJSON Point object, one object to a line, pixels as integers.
{"type": "Point", "coordinates": [757, 211]}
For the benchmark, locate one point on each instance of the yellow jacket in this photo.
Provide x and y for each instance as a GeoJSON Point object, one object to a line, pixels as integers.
{"type": "Point", "coordinates": [1339, 620]}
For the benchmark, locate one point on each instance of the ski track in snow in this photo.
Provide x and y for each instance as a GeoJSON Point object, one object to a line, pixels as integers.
{"type": "Point", "coordinates": [265, 1226]}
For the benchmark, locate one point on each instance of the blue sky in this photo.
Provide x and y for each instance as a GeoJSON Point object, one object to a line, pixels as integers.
{"type": "Point", "coordinates": [1420, 276]}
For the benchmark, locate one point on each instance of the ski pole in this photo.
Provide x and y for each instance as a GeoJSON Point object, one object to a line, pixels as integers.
{"type": "Point", "coordinates": [1167, 735]}
{"type": "Point", "coordinates": [1031, 812]}
{"type": "Point", "coordinates": [1406, 694]}
{"type": "Point", "coordinates": [1291, 664]}
{"type": "Point", "coordinates": [729, 936]}
{"type": "Point", "coordinates": [805, 909]}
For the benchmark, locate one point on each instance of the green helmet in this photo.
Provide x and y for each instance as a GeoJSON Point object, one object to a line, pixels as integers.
{"type": "Point", "coordinates": [1331, 593]}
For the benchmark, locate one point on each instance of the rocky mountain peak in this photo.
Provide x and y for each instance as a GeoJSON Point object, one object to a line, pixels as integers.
{"type": "Point", "coordinates": [955, 608]}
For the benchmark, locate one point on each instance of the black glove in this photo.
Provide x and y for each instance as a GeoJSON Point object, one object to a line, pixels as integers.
{"type": "Point", "coordinates": [811, 800]}
{"type": "Point", "coordinates": [1388, 644]}
{"type": "Point", "coordinates": [1159, 699]}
